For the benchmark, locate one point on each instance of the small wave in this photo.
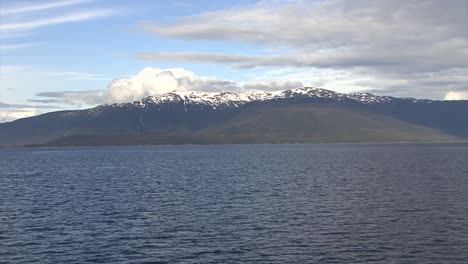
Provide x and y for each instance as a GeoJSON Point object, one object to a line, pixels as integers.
{"type": "Point", "coordinates": [22, 173]}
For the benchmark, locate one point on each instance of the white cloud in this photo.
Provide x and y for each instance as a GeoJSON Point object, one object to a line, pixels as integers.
{"type": "Point", "coordinates": [151, 81]}
{"type": "Point", "coordinates": [456, 95]}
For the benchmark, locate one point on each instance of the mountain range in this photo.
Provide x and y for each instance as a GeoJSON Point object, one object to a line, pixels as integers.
{"type": "Point", "coordinates": [300, 115]}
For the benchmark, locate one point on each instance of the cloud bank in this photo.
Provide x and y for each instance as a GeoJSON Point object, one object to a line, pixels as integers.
{"type": "Point", "coordinates": [153, 81]}
{"type": "Point", "coordinates": [394, 41]}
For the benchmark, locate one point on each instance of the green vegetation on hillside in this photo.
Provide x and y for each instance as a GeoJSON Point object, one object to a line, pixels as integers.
{"type": "Point", "coordinates": [281, 124]}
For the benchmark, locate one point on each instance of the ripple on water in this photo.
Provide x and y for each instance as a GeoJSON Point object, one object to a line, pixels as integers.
{"type": "Point", "coordinates": [372, 203]}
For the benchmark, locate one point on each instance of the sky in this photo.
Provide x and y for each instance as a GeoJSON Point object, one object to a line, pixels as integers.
{"type": "Point", "coordinates": [74, 54]}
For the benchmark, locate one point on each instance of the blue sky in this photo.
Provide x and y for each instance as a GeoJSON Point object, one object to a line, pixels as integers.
{"type": "Point", "coordinates": [100, 46]}
{"type": "Point", "coordinates": [64, 54]}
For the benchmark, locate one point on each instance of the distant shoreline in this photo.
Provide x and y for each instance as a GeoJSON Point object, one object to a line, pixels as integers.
{"type": "Point", "coordinates": [37, 146]}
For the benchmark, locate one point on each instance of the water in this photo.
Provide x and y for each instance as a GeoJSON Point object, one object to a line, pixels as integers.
{"type": "Point", "coordinates": [370, 203]}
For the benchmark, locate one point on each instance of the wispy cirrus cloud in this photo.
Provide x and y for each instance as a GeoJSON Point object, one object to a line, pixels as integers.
{"type": "Point", "coordinates": [70, 17]}
{"type": "Point", "coordinates": [9, 47]}
{"type": "Point", "coordinates": [32, 7]}
{"type": "Point", "coordinates": [183, 4]}
{"type": "Point", "coordinates": [73, 75]}
{"type": "Point", "coordinates": [19, 20]}
{"type": "Point", "coordinates": [6, 70]}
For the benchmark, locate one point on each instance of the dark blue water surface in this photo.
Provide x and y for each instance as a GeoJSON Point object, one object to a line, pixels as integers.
{"type": "Point", "coordinates": [368, 203]}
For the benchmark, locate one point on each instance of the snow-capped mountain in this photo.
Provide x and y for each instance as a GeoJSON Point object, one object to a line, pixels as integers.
{"type": "Point", "coordinates": [302, 114]}
{"type": "Point", "coordinates": [231, 99]}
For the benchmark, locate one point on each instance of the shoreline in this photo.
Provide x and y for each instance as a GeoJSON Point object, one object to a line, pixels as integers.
{"type": "Point", "coordinates": [238, 144]}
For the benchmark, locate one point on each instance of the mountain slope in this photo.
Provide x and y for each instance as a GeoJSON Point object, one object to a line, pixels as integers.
{"type": "Point", "coordinates": [319, 123]}
{"type": "Point", "coordinates": [297, 115]}
{"type": "Point", "coordinates": [281, 124]}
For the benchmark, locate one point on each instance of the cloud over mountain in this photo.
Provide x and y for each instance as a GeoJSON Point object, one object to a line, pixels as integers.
{"type": "Point", "coordinates": [152, 81]}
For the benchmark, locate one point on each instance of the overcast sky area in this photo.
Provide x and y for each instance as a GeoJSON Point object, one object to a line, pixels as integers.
{"type": "Point", "coordinates": [73, 54]}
